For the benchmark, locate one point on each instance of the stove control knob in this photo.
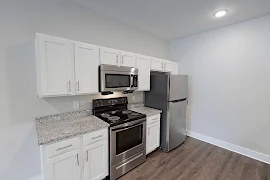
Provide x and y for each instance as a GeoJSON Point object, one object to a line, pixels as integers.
{"type": "Point", "coordinates": [124, 100]}
{"type": "Point", "coordinates": [99, 103]}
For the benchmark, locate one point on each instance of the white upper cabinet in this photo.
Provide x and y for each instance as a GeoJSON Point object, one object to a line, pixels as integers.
{"type": "Point", "coordinates": [167, 66]}
{"type": "Point", "coordinates": [63, 167]}
{"type": "Point", "coordinates": [175, 68]}
{"type": "Point", "coordinates": [54, 66]}
{"type": "Point", "coordinates": [144, 68]}
{"type": "Point", "coordinates": [161, 65]}
{"type": "Point", "coordinates": [109, 56]}
{"type": "Point", "coordinates": [86, 68]}
{"type": "Point", "coordinates": [157, 64]}
{"type": "Point", "coordinates": [127, 59]}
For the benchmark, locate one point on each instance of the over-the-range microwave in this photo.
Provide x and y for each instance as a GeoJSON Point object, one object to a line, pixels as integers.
{"type": "Point", "coordinates": [114, 78]}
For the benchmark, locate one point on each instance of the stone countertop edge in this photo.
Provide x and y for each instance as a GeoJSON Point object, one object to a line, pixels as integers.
{"type": "Point", "coordinates": [146, 110]}
{"type": "Point", "coordinates": [60, 127]}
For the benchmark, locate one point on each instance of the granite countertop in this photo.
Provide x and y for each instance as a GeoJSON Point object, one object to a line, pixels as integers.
{"type": "Point", "coordinates": [67, 125]}
{"type": "Point", "coordinates": [140, 108]}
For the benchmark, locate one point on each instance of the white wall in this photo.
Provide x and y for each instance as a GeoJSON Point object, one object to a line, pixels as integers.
{"type": "Point", "coordinates": [229, 71]}
{"type": "Point", "coordinates": [19, 105]}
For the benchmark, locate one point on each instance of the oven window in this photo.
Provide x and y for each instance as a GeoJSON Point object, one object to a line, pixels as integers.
{"type": "Point", "coordinates": [117, 80]}
{"type": "Point", "coordinates": [128, 139]}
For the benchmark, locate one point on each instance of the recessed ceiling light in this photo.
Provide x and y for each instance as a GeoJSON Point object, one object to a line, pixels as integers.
{"type": "Point", "coordinates": [220, 13]}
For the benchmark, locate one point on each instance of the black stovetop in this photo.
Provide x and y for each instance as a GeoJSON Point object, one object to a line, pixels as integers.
{"type": "Point", "coordinates": [116, 117]}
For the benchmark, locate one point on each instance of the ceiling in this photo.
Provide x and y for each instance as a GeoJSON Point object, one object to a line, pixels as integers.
{"type": "Point", "coordinates": [172, 19]}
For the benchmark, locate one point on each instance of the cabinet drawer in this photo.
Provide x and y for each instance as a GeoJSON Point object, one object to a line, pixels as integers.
{"type": "Point", "coordinates": [62, 147]}
{"type": "Point", "coordinates": [153, 119]}
{"type": "Point", "coordinates": [95, 137]}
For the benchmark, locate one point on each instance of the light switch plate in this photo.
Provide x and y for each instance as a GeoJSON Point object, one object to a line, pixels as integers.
{"type": "Point", "coordinates": [76, 104]}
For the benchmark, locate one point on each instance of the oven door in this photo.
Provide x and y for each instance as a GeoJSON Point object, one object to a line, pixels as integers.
{"type": "Point", "coordinates": [127, 140]}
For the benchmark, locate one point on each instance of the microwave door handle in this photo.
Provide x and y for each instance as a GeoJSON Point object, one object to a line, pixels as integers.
{"type": "Point", "coordinates": [131, 81]}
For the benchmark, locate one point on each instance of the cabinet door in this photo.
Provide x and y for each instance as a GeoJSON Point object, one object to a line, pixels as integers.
{"type": "Point", "coordinates": [63, 167]}
{"type": "Point", "coordinates": [96, 161]}
{"type": "Point", "coordinates": [153, 137]}
{"type": "Point", "coordinates": [127, 59]}
{"type": "Point", "coordinates": [109, 56]}
{"type": "Point", "coordinates": [175, 68]}
{"type": "Point", "coordinates": [86, 68]}
{"type": "Point", "coordinates": [143, 65]}
{"type": "Point", "coordinates": [54, 66]}
{"type": "Point", "coordinates": [167, 66]}
{"type": "Point", "coordinates": [157, 64]}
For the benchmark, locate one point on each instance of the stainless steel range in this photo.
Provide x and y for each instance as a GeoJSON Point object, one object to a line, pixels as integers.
{"type": "Point", "coordinates": [127, 134]}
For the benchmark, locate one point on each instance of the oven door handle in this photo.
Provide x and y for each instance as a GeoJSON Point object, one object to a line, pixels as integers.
{"type": "Point", "coordinates": [127, 127]}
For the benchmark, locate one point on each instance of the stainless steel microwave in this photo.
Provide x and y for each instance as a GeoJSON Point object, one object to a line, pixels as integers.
{"type": "Point", "coordinates": [114, 78]}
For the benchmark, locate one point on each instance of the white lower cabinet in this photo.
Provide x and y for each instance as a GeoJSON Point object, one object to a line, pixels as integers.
{"type": "Point", "coordinates": [82, 158]}
{"type": "Point", "coordinates": [153, 133]}
{"type": "Point", "coordinates": [96, 161]}
{"type": "Point", "coordinates": [65, 166]}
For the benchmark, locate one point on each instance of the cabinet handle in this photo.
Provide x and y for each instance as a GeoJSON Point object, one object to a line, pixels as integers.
{"type": "Point", "coordinates": [117, 59]}
{"type": "Point", "coordinates": [59, 149]}
{"type": "Point", "coordinates": [78, 85]}
{"type": "Point", "coordinates": [86, 156]}
{"type": "Point", "coordinates": [78, 160]}
{"type": "Point", "coordinates": [122, 60]}
{"type": "Point", "coordinates": [97, 137]}
{"type": "Point", "coordinates": [162, 66]}
{"type": "Point", "coordinates": [69, 86]}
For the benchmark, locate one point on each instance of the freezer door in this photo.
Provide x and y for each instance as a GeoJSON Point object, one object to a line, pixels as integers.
{"type": "Point", "coordinates": [178, 87]}
{"type": "Point", "coordinates": [177, 123]}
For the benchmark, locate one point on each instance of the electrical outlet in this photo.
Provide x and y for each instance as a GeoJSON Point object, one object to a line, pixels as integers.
{"type": "Point", "coordinates": [76, 104]}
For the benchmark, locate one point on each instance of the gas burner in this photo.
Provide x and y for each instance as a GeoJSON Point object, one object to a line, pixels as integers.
{"type": "Point", "coordinates": [113, 112]}
{"type": "Point", "coordinates": [113, 118]}
{"type": "Point", "coordinates": [105, 115]}
{"type": "Point", "coordinates": [126, 112]}
{"type": "Point", "coordinates": [134, 114]}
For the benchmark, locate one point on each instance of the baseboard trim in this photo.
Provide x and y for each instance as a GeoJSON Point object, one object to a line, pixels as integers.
{"type": "Point", "coordinates": [231, 147]}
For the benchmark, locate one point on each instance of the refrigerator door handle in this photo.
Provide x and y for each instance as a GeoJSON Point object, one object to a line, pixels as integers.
{"type": "Point", "coordinates": [179, 100]}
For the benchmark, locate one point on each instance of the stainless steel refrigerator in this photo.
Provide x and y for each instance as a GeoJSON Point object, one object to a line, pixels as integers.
{"type": "Point", "coordinates": [169, 93]}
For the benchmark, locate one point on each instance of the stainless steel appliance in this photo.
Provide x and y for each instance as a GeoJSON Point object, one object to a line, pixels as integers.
{"type": "Point", "coordinates": [169, 93]}
{"type": "Point", "coordinates": [114, 78]}
{"type": "Point", "coordinates": [127, 134]}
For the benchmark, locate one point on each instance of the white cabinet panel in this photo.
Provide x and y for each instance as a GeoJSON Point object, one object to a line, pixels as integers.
{"type": "Point", "coordinates": [157, 64]}
{"type": "Point", "coordinates": [153, 137]}
{"type": "Point", "coordinates": [86, 68]}
{"type": "Point", "coordinates": [109, 56]}
{"type": "Point", "coordinates": [96, 161]}
{"type": "Point", "coordinates": [167, 66]}
{"type": "Point", "coordinates": [54, 66]}
{"type": "Point", "coordinates": [175, 68]}
{"type": "Point", "coordinates": [63, 167]}
{"type": "Point", "coordinates": [144, 67]}
{"type": "Point", "coordinates": [127, 59]}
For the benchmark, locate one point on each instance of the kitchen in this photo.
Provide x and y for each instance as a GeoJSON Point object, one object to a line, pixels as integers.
{"type": "Point", "coordinates": [53, 54]}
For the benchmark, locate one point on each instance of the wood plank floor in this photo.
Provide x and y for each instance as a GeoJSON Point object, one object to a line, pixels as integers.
{"type": "Point", "coordinates": [197, 160]}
